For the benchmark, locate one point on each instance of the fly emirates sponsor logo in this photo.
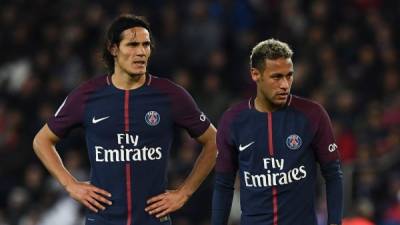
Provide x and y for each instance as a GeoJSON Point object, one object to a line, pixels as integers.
{"type": "Point", "coordinates": [125, 152]}
{"type": "Point", "coordinates": [269, 179]}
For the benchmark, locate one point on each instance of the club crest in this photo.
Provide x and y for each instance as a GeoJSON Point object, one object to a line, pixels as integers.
{"type": "Point", "coordinates": [293, 141]}
{"type": "Point", "coordinates": [152, 118]}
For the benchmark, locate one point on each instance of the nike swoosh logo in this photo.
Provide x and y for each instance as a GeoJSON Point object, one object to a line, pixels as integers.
{"type": "Point", "coordinates": [94, 120]}
{"type": "Point", "coordinates": [241, 148]}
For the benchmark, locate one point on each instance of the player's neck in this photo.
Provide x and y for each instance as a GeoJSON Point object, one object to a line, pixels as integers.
{"type": "Point", "coordinates": [263, 105]}
{"type": "Point", "coordinates": [126, 81]}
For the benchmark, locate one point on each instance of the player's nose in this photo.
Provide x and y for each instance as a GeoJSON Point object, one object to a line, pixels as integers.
{"type": "Point", "coordinates": [141, 51]}
{"type": "Point", "coordinates": [284, 84]}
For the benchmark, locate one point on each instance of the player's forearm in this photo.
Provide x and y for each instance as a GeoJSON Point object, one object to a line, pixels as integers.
{"type": "Point", "coordinates": [45, 150]}
{"type": "Point", "coordinates": [203, 166]}
{"type": "Point", "coordinates": [334, 191]}
{"type": "Point", "coordinates": [222, 198]}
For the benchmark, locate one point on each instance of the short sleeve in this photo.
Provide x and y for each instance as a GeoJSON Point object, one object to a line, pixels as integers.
{"type": "Point", "coordinates": [69, 115]}
{"type": "Point", "coordinates": [187, 114]}
{"type": "Point", "coordinates": [324, 141]}
{"type": "Point", "coordinates": [227, 154]}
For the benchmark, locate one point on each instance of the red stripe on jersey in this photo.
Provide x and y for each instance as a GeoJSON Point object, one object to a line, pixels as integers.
{"type": "Point", "coordinates": [271, 152]}
{"type": "Point", "coordinates": [128, 173]}
{"type": "Point", "coordinates": [275, 204]}
{"type": "Point", "coordinates": [270, 143]}
{"type": "Point", "coordinates": [126, 111]}
{"type": "Point", "coordinates": [128, 193]}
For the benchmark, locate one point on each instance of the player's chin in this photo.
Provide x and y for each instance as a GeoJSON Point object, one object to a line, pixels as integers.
{"type": "Point", "coordinates": [138, 72]}
{"type": "Point", "coordinates": [280, 100]}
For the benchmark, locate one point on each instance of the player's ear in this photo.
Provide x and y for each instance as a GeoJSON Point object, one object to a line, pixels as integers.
{"type": "Point", "coordinates": [113, 49]}
{"type": "Point", "coordinates": [255, 74]}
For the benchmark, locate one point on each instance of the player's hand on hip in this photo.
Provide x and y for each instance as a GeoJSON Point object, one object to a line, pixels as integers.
{"type": "Point", "coordinates": [92, 197]}
{"type": "Point", "coordinates": [163, 204]}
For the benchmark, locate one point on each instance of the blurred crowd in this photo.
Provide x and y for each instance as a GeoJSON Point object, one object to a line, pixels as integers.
{"type": "Point", "coordinates": [345, 53]}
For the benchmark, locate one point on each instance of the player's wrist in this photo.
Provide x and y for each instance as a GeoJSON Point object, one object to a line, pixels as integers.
{"type": "Point", "coordinates": [68, 182]}
{"type": "Point", "coordinates": [185, 192]}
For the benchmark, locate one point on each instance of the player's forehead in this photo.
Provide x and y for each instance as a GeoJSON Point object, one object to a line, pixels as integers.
{"type": "Point", "coordinates": [136, 34]}
{"type": "Point", "coordinates": [280, 64]}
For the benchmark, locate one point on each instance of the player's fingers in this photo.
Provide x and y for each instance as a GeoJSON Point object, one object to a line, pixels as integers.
{"type": "Point", "coordinates": [95, 203]}
{"type": "Point", "coordinates": [154, 205]}
{"type": "Point", "coordinates": [163, 213]}
{"type": "Point", "coordinates": [89, 206]}
{"type": "Point", "coordinates": [158, 210]}
{"type": "Point", "coordinates": [101, 191]}
{"type": "Point", "coordinates": [100, 198]}
{"type": "Point", "coordinates": [156, 198]}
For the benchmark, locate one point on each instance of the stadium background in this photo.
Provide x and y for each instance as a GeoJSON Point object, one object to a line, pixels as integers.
{"type": "Point", "coordinates": [346, 58]}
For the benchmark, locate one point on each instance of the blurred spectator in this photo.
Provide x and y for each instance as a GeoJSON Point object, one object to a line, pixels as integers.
{"type": "Point", "coordinates": [347, 142]}
{"type": "Point", "coordinates": [34, 182]}
{"type": "Point", "coordinates": [391, 215]}
{"type": "Point", "coordinates": [18, 202]}
{"type": "Point", "coordinates": [200, 34]}
{"type": "Point", "coordinates": [364, 214]}
{"type": "Point", "coordinates": [214, 99]}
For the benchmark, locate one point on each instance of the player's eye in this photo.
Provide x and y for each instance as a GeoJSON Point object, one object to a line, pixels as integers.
{"type": "Point", "coordinates": [277, 77]}
{"type": "Point", "coordinates": [133, 44]}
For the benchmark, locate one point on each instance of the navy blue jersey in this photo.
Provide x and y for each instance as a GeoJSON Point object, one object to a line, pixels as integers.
{"type": "Point", "coordinates": [128, 135]}
{"type": "Point", "coordinates": [275, 155]}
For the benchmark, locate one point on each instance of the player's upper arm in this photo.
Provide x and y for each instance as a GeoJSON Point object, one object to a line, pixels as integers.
{"type": "Point", "coordinates": [69, 114]}
{"type": "Point", "coordinates": [227, 153]}
{"type": "Point", "coordinates": [208, 136]}
{"type": "Point", "coordinates": [187, 114]}
{"type": "Point", "coordinates": [44, 137]}
{"type": "Point", "coordinates": [324, 141]}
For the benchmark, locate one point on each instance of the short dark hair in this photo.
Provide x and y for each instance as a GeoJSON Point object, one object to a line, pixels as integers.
{"type": "Point", "coordinates": [113, 35]}
{"type": "Point", "coordinates": [269, 49]}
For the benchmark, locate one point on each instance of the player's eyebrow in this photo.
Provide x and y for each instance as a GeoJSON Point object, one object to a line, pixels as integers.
{"type": "Point", "coordinates": [134, 42]}
{"type": "Point", "coordinates": [281, 74]}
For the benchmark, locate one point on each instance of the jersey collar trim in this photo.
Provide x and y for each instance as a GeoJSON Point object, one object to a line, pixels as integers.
{"type": "Point", "coordinates": [252, 99]}
{"type": "Point", "coordinates": [108, 77]}
{"type": "Point", "coordinates": [149, 77]}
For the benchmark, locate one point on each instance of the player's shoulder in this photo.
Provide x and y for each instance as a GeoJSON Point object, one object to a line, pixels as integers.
{"type": "Point", "coordinates": [239, 107]}
{"type": "Point", "coordinates": [233, 111]}
{"type": "Point", "coordinates": [165, 85]}
{"type": "Point", "coordinates": [92, 84]}
{"type": "Point", "coordinates": [307, 106]}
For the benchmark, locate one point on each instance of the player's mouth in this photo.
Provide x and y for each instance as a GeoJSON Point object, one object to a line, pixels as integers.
{"type": "Point", "coordinates": [282, 96]}
{"type": "Point", "coordinates": [139, 63]}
